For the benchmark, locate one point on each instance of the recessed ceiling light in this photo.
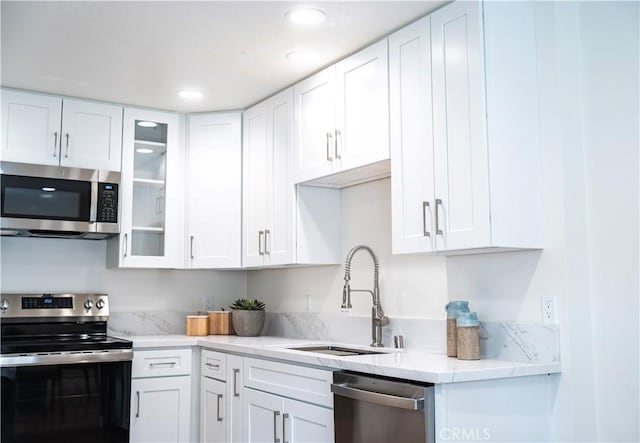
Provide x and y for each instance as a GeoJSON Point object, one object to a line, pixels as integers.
{"type": "Point", "coordinates": [146, 124]}
{"type": "Point", "coordinates": [306, 16]}
{"type": "Point", "coordinates": [190, 94]}
{"type": "Point", "coordinates": [302, 57]}
{"type": "Point", "coordinates": [144, 150]}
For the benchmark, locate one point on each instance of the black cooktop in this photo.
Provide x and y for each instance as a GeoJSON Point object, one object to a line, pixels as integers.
{"type": "Point", "coordinates": [25, 336]}
{"type": "Point", "coordinates": [25, 345]}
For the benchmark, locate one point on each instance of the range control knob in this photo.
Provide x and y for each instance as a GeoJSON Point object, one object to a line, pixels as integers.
{"type": "Point", "coordinates": [88, 305]}
{"type": "Point", "coordinates": [4, 306]}
{"type": "Point", "coordinates": [100, 304]}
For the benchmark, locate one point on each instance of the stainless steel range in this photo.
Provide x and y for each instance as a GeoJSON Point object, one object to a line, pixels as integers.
{"type": "Point", "coordinates": [63, 378]}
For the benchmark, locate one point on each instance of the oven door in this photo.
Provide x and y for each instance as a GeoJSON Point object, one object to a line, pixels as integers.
{"type": "Point", "coordinates": [66, 402]}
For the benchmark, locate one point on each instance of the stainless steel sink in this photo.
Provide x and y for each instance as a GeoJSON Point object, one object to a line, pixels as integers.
{"type": "Point", "coordinates": [338, 351]}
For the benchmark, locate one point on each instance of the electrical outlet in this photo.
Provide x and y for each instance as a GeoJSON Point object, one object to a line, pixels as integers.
{"type": "Point", "coordinates": [209, 302]}
{"type": "Point", "coordinates": [307, 302]}
{"type": "Point", "coordinates": [548, 309]}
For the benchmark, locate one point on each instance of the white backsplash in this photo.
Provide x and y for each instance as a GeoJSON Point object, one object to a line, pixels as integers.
{"type": "Point", "coordinates": [500, 340]}
{"type": "Point", "coordinates": [147, 323]}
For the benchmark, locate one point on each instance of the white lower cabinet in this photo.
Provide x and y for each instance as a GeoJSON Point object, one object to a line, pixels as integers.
{"type": "Point", "coordinates": [269, 417]}
{"type": "Point", "coordinates": [160, 409]}
{"type": "Point", "coordinates": [161, 396]}
{"type": "Point", "coordinates": [212, 406]}
{"type": "Point", "coordinates": [221, 395]}
{"type": "Point", "coordinates": [297, 407]}
{"type": "Point", "coordinates": [302, 422]}
{"type": "Point", "coordinates": [235, 394]}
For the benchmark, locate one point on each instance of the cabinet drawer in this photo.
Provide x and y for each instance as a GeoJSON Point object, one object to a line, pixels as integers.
{"type": "Point", "coordinates": [214, 364]}
{"type": "Point", "coordinates": [299, 382]}
{"type": "Point", "coordinates": [160, 363]}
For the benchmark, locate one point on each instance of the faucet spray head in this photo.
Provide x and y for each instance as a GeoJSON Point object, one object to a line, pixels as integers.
{"type": "Point", "coordinates": [346, 296]}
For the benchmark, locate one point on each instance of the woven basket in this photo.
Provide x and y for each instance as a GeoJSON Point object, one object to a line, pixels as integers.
{"type": "Point", "coordinates": [468, 343]}
{"type": "Point", "coordinates": [452, 346]}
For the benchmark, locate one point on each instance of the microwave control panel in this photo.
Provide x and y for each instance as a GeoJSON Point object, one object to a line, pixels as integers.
{"type": "Point", "coordinates": [107, 203]}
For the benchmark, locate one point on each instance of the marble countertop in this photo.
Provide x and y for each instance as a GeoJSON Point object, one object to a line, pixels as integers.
{"type": "Point", "coordinates": [409, 364]}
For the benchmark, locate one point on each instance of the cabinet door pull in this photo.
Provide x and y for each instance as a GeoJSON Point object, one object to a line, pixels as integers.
{"type": "Point", "coordinates": [338, 136]}
{"type": "Point", "coordinates": [191, 247]}
{"type": "Point", "coordinates": [260, 234]}
{"type": "Point", "coordinates": [137, 404]}
{"type": "Point", "coordinates": [66, 149]}
{"type": "Point", "coordinates": [284, 420]}
{"type": "Point", "coordinates": [125, 245]}
{"type": "Point", "coordinates": [236, 371]}
{"type": "Point", "coordinates": [329, 143]}
{"type": "Point", "coordinates": [438, 230]}
{"type": "Point", "coordinates": [55, 143]}
{"type": "Point", "coordinates": [426, 233]}
{"type": "Point", "coordinates": [218, 413]}
{"type": "Point", "coordinates": [267, 233]}
{"type": "Point", "coordinates": [275, 424]}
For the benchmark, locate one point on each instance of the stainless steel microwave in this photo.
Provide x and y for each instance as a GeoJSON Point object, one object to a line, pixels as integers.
{"type": "Point", "coordinates": [59, 202]}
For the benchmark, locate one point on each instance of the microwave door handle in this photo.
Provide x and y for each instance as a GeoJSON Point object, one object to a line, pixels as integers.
{"type": "Point", "coordinates": [93, 211]}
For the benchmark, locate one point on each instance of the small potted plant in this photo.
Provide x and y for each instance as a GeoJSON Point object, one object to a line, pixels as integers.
{"type": "Point", "coordinates": [248, 317]}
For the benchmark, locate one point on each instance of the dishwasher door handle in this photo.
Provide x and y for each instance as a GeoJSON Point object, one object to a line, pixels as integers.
{"type": "Point", "coordinates": [415, 404]}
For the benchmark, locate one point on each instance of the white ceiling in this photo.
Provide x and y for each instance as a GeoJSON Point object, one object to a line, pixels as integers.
{"type": "Point", "coordinates": [143, 52]}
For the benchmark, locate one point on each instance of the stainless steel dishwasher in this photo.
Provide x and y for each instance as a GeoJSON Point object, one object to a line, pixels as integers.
{"type": "Point", "coordinates": [379, 409]}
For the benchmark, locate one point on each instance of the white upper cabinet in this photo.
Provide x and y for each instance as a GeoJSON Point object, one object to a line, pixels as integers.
{"type": "Point", "coordinates": [461, 171]}
{"type": "Point", "coordinates": [48, 130]}
{"type": "Point", "coordinates": [91, 135]}
{"type": "Point", "coordinates": [282, 224]}
{"type": "Point", "coordinates": [269, 192]}
{"type": "Point", "coordinates": [254, 175]}
{"type": "Point", "coordinates": [214, 193]}
{"type": "Point", "coordinates": [315, 125]}
{"type": "Point", "coordinates": [362, 107]}
{"type": "Point", "coordinates": [412, 184]}
{"type": "Point", "coordinates": [470, 182]}
{"type": "Point", "coordinates": [31, 130]}
{"type": "Point", "coordinates": [152, 227]}
{"type": "Point", "coordinates": [342, 120]}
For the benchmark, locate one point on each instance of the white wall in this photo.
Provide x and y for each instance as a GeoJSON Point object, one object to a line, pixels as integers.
{"type": "Point", "coordinates": [55, 265]}
{"type": "Point", "coordinates": [611, 98]}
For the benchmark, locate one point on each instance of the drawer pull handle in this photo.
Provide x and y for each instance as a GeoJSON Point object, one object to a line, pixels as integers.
{"type": "Point", "coordinates": [212, 365]}
{"type": "Point", "coordinates": [165, 363]}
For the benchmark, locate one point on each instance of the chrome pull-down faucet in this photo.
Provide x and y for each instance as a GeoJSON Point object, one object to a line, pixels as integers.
{"type": "Point", "coordinates": [378, 319]}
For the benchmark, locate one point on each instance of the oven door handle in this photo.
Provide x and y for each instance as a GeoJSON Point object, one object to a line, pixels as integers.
{"type": "Point", "coordinates": [343, 390]}
{"type": "Point", "coordinates": [65, 358]}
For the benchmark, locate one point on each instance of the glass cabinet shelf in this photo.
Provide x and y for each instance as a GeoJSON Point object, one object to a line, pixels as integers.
{"type": "Point", "coordinates": [148, 181]}
{"type": "Point", "coordinates": [148, 143]}
{"type": "Point", "coordinates": [147, 228]}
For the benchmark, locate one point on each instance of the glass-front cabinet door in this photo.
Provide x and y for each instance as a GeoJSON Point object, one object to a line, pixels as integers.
{"type": "Point", "coordinates": [152, 185]}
